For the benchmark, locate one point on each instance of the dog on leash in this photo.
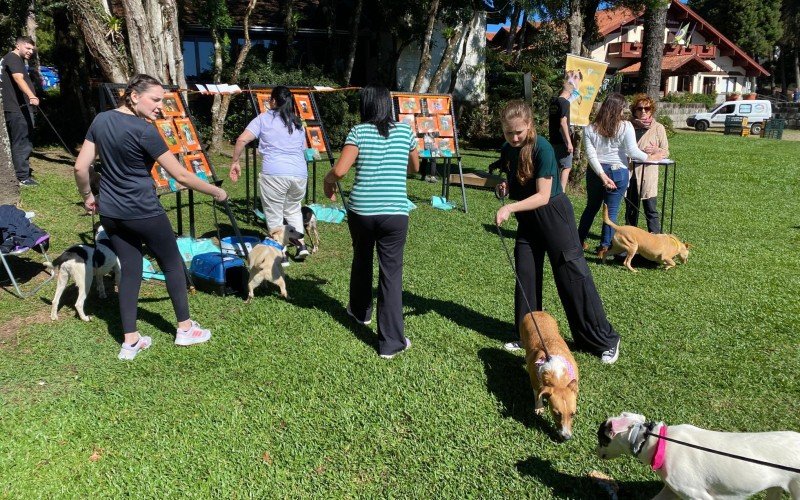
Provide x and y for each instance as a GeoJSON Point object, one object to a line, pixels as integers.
{"type": "Point", "coordinates": [556, 378]}
{"type": "Point", "coordinates": [692, 473]}
{"type": "Point", "coordinates": [85, 264]}
{"type": "Point", "coordinates": [310, 227]}
{"type": "Point", "coordinates": [264, 260]}
{"type": "Point", "coordinates": [660, 248]}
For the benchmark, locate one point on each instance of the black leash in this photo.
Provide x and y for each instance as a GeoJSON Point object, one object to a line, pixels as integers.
{"type": "Point", "coordinates": [63, 143]}
{"type": "Point", "coordinates": [516, 276]}
{"type": "Point", "coordinates": [725, 454]}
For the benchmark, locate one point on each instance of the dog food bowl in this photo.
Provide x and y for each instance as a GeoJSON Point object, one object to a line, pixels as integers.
{"type": "Point", "coordinates": [227, 244]}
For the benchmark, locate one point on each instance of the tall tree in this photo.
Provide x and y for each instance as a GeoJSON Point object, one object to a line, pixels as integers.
{"type": "Point", "coordinates": [425, 56]}
{"type": "Point", "coordinates": [355, 23]}
{"type": "Point", "coordinates": [655, 22]}
{"type": "Point", "coordinates": [153, 39]}
{"type": "Point", "coordinates": [290, 20]}
{"type": "Point", "coordinates": [516, 8]}
{"type": "Point", "coordinates": [9, 185]}
{"type": "Point", "coordinates": [109, 52]}
{"type": "Point", "coordinates": [453, 37]}
{"type": "Point", "coordinates": [754, 25]}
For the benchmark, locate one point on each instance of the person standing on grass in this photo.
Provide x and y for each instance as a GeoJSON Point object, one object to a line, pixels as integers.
{"type": "Point", "coordinates": [284, 171]}
{"type": "Point", "coordinates": [610, 142]}
{"type": "Point", "coordinates": [560, 136]}
{"type": "Point", "coordinates": [546, 224]}
{"type": "Point", "coordinates": [130, 211]}
{"type": "Point", "coordinates": [651, 137]}
{"type": "Point", "coordinates": [383, 152]}
{"type": "Point", "coordinates": [18, 96]}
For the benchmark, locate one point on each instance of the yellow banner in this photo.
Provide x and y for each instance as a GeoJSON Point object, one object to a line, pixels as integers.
{"type": "Point", "coordinates": [586, 77]}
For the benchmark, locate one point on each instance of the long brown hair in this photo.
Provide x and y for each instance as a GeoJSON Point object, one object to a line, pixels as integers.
{"type": "Point", "coordinates": [520, 109]}
{"type": "Point", "coordinates": [607, 121]}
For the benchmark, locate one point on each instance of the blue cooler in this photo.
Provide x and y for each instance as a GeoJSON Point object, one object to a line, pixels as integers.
{"type": "Point", "coordinates": [219, 273]}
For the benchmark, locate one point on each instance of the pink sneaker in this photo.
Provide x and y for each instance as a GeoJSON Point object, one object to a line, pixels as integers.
{"type": "Point", "coordinates": [194, 335]}
{"type": "Point", "coordinates": [128, 352]}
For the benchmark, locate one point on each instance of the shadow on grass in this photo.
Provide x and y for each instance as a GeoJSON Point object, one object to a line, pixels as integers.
{"type": "Point", "coordinates": [509, 234]}
{"type": "Point", "coordinates": [568, 486]}
{"type": "Point", "coordinates": [307, 293]}
{"type": "Point", "coordinates": [60, 158]}
{"type": "Point", "coordinates": [508, 380]}
{"type": "Point", "coordinates": [462, 316]}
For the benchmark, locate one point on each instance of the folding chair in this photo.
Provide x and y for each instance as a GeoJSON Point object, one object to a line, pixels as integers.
{"type": "Point", "coordinates": [41, 245]}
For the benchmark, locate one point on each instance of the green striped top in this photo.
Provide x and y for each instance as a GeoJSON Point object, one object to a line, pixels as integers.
{"type": "Point", "coordinates": [381, 168]}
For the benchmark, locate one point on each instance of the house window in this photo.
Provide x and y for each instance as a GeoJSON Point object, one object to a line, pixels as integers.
{"type": "Point", "coordinates": [684, 83]}
{"type": "Point", "coordinates": [730, 84]}
{"type": "Point", "coordinates": [198, 56]}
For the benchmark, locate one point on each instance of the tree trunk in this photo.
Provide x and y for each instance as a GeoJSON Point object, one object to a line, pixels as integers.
{"type": "Point", "coordinates": [355, 22]}
{"type": "Point", "coordinates": [331, 55]}
{"type": "Point", "coordinates": [153, 39]}
{"type": "Point", "coordinates": [9, 185]}
{"type": "Point", "coordinates": [523, 36]}
{"type": "Point", "coordinates": [30, 28]}
{"type": "Point", "coordinates": [219, 110]}
{"type": "Point", "coordinates": [512, 30]}
{"type": "Point", "coordinates": [425, 56]}
{"type": "Point", "coordinates": [73, 70]}
{"type": "Point", "coordinates": [290, 28]}
{"type": "Point", "coordinates": [173, 47]}
{"type": "Point", "coordinates": [111, 57]}
{"type": "Point", "coordinates": [464, 46]}
{"type": "Point", "coordinates": [575, 26]}
{"type": "Point", "coordinates": [589, 26]}
{"type": "Point", "coordinates": [655, 20]}
{"type": "Point", "coordinates": [447, 58]}
{"type": "Point", "coordinates": [797, 67]}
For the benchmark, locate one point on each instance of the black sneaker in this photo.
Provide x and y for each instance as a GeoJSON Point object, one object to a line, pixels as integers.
{"type": "Point", "coordinates": [609, 357]}
{"type": "Point", "coordinates": [302, 253]}
{"type": "Point", "coordinates": [30, 182]}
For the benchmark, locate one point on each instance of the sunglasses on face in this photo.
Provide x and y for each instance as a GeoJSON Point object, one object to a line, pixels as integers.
{"type": "Point", "coordinates": [643, 108]}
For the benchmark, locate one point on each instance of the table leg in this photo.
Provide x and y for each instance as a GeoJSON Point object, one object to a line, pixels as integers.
{"type": "Point", "coordinates": [180, 212]}
{"type": "Point", "coordinates": [640, 193]}
{"type": "Point", "coordinates": [664, 196]}
{"type": "Point", "coordinates": [191, 214]}
{"type": "Point", "coordinates": [250, 216]}
{"type": "Point", "coordinates": [444, 178]}
{"type": "Point", "coordinates": [672, 203]}
{"type": "Point", "coordinates": [314, 189]}
{"type": "Point", "coordinates": [463, 190]}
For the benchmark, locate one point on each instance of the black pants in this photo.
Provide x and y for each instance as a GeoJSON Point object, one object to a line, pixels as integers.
{"type": "Point", "coordinates": [127, 237]}
{"type": "Point", "coordinates": [20, 130]}
{"type": "Point", "coordinates": [551, 229]}
{"type": "Point", "coordinates": [388, 234]}
{"type": "Point", "coordinates": [650, 208]}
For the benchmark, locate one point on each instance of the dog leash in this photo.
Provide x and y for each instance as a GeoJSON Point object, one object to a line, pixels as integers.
{"type": "Point", "coordinates": [64, 144]}
{"type": "Point", "coordinates": [723, 453]}
{"type": "Point", "coordinates": [502, 199]}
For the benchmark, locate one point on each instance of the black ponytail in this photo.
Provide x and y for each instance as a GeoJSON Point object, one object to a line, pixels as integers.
{"type": "Point", "coordinates": [284, 106]}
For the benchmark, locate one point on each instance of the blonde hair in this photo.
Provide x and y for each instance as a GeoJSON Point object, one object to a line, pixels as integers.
{"type": "Point", "coordinates": [520, 109]}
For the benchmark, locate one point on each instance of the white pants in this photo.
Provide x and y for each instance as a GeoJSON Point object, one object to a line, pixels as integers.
{"type": "Point", "coordinates": [281, 197]}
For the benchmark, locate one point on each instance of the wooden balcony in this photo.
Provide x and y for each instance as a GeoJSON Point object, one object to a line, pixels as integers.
{"type": "Point", "coordinates": [633, 50]}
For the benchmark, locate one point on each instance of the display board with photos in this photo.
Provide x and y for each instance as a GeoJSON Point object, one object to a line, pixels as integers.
{"type": "Point", "coordinates": [176, 127]}
{"type": "Point", "coordinates": [431, 118]}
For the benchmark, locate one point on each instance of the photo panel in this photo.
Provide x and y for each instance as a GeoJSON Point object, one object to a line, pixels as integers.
{"type": "Point", "coordinates": [315, 138]}
{"type": "Point", "coordinates": [171, 105]}
{"type": "Point", "coordinates": [167, 131]}
{"type": "Point", "coordinates": [187, 134]}
{"type": "Point", "coordinates": [262, 98]}
{"type": "Point", "coordinates": [420, 144]}
{"type": "Point", "coordinates": [446, 146]}
{"type": "Point", "coordinates": [409, 104]}
{"type": "Point", "coordinates": [445, 124]}
{"type": "Point", "coordinates": [438, 105]}
{"type": "Point", "coordinates": [303, 104]}
{"type": "Point", "coordinates": [409, 120]}
{"type": "Point", "coordinates": [163, 180]}
{"type": "Point", "coordinates": [196, 163]}
{"type": "Point", "coordinates": [426, 125]}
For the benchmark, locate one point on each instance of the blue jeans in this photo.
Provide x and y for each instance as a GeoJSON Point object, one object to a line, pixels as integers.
{"type": "Point", "coordinates": [596, 195]}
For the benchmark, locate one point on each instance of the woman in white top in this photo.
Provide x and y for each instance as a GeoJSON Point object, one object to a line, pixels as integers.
{"type": "Point", "coordinates": [610, 141]}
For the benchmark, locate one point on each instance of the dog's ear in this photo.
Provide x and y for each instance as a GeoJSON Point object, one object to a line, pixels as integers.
{"type": "Point", "coordinates": [540, 357]}
{"type": "Point", "coordinates": [573, 385]}
{"type": "Point", "coordinates": [688, 245]}
{"type": "Point", "coordinates": [625, 422]}
{"type": "Point", "coordinates": [546, 392]}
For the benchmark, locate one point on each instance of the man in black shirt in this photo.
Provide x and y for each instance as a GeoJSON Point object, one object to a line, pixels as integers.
{"type": "Point", "coordinates": [18, 94]}
{"type": "Point", "coordinates": [560, 136]}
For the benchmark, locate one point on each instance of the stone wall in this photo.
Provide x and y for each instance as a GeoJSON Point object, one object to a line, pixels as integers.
{"type": "Point", "coordinates": [790, 111]}
{"type": "Point", "coordinates": [680, 112]}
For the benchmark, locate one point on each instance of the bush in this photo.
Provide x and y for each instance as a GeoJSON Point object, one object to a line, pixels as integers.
{"type": "Point", "coordinates": [668, 125]}
{"type": "Point", "coordinates": [688, 98]}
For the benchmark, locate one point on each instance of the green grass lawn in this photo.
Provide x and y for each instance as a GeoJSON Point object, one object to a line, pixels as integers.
{"type": "Point", "coordinates": [290, 399]}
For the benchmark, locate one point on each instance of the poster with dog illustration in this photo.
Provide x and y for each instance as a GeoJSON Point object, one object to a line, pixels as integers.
{"type": "Point", "coordinates": [167, 131]}
{"type": "Point", "coordinates": [409, 104]}
{"type": "Point", "coordinates": [197, 164]}
{"type": "Point", "coordinates": [438, 105]}
{"type": "Point", "coordinates": [445, 125]}
{"type": "Point", "coordinates": [263, 98]}
{"type": "Point", "coordinates": [315, 139]}
{"type": "Point", "coordinates": [303, 104]}
{"type": "Point", "coordinates": [426, 125]}
{"type": "Point", "coordinates": [171, 105]}
{"type": "Point", "coordinates": [187, 134]}
{"type": "Point", "coordinates": [409, 120]}
{"type": "Point", "coordinates": [585, 77]}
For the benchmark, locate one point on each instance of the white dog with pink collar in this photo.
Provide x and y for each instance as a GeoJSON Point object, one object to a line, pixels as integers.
{"type": "Point", "coordinates": [698, 474]}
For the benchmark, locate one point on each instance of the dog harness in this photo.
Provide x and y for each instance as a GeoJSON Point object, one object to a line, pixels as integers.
{"type": "Point", "coordinates": [570, 369]}
{"type": "Point", "coordinates": [661, 448]}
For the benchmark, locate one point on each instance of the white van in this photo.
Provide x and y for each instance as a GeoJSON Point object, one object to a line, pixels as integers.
{"type": "Point", "coordinates": [755, 111]}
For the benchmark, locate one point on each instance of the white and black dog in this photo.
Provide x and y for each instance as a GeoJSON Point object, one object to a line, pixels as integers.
{"type": "Point", "coordinates": [85, 263]}
{"type": "Point", "coordinates": [698, 474]}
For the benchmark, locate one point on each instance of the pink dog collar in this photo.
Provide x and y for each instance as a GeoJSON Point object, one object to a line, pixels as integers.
{"type": "Point", "coordinates": [570, 368]}
{"type": "Point", "coordinates": [661, 447]}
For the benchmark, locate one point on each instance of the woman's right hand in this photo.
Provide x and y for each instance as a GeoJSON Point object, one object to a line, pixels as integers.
{"type": "Point", "coordinates": [90, 204]}
{"type": "Point", "coordinates": [236, 170]}
{"type": "Point", "coordinates": [220, 195]}
{"type": "Point", "coordinates": [608, 183]}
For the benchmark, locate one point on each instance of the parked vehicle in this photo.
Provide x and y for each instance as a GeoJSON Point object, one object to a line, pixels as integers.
{"type": "Point", "coordinates": [756, 111]}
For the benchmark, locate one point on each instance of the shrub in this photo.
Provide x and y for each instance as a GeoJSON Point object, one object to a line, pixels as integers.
{"type": "Point", "coordinates": [688, 98]}
{"type": "Point", "coordinates": [668, 125]}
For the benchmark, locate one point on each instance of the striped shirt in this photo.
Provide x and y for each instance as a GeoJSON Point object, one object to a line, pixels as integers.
{"type": "Point", "coordinates": [381, 168]}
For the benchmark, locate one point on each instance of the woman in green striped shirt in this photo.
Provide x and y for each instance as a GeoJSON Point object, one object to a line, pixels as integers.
{"type": "Point", "coordinates": [383, 152]}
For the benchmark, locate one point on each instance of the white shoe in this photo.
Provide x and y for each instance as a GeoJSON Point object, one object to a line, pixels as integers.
{"type": "Point", "coordinates": [390, 356]}
{"type": "Point", "coordinates": [194, 335]}
{"type": "Point", "coordinates": [609, 357]}
{"type": "Point", "coordinates": [365, 322]}
{"type": "Point", "coordinates": [128, 352]}
{"type": "Point", "coordinates": [512, 346]}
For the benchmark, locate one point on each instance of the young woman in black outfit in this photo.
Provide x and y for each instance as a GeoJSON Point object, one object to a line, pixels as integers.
{"type": "Point", "coordinates": [546, 224]}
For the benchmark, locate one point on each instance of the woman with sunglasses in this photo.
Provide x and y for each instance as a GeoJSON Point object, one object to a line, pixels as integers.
{"type": "Point", "coordinates": [651, 137]}
{"type": "Point", "coordinates": [609, 142]}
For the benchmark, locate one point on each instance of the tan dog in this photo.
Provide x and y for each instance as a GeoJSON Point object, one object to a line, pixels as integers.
{"type": "Point", "coordinates": [656, 247]}
{"type": "Point", "coordinates": [264, 261]}
{"type": "Point", "coordinates": [555, 379]}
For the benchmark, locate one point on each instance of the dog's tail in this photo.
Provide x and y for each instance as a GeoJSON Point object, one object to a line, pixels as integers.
{"type": "Point", "coordinates": [607, 219]}
{"type": "Point", "coordinates": [59, 260]}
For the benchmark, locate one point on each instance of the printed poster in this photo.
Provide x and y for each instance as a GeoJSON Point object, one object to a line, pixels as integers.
{"type": "Point", "coordinates": [586, 77]}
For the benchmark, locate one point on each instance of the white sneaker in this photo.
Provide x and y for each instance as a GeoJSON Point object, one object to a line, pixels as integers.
{"type": "Point", "coordinates": [128, 352]}
{"type": "Point", "coordinates": [512, 346]}
{"type": "Point", "coordinates": [390, 356]}
{"type": "Point", "coordinates": [610, 356]}
{"type": "Point", "coordinates": [285, 261]}
{"type": "Point", "coordinates": [194, 335]}
{"type": "Point", "coordinates": [364, 322]}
